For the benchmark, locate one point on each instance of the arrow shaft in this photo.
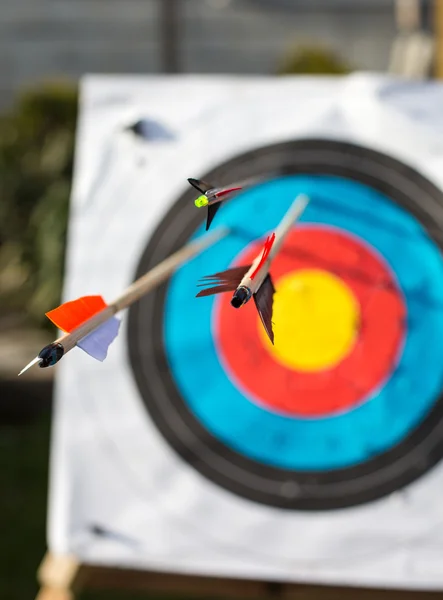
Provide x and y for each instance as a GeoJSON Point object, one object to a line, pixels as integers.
{"type": "Point", "coordinates": [283, 228]}
{"type": "Point", "coordinates": [281, 231]}
{"type": "Point", "coordinates": [139, 288]}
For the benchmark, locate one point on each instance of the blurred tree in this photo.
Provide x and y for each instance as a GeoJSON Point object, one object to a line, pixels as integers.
{"type": "Point", "coordinates": [37, 139]}
{"type": "Point", "coordinates": [312, 60]}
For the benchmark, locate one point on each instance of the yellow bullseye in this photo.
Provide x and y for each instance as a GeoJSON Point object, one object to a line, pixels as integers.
{"type": "Point", "coordinates": [316, 319]}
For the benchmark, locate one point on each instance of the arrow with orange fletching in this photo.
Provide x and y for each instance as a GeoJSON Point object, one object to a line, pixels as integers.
{"type": "Point", "coordinates": [90, 323]}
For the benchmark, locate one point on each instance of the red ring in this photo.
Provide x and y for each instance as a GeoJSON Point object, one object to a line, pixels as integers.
{"type": "Point", "coordinates": [373, 357]}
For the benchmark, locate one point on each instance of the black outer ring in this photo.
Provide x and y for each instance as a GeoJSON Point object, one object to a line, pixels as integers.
{"type": "Point", "coordinates": [374, 479]}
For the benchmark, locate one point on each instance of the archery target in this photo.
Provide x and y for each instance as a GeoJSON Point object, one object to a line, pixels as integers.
{"type": "Point", "coordinates": [341, 410]}
{"type": "Point", "coordinates": [197, 446]}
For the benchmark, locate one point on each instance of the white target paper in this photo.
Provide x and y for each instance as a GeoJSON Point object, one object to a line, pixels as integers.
{"type": "Point", "coordinates": [110, 467]}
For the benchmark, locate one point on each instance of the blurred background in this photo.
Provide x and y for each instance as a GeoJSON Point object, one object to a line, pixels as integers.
{"type": "Point", "coordinates": [46, 47]}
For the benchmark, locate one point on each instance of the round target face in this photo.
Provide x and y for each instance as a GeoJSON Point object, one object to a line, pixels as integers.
{"type": "Point", "coordinates": [344, 407]}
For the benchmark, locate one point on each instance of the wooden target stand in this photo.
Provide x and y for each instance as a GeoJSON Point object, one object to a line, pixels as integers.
{"type": "Point", "coordinates": [413, 50]}
{"type": "Point", "coordinates": [64, 578]}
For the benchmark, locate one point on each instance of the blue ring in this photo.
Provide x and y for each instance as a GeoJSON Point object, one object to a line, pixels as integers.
{"type": "Point", "coordinates": [331, 442]}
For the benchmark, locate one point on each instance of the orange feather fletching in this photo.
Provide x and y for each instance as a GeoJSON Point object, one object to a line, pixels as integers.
{"type": "Point", "coordinates": [266, 251]}
{"type": "Point", "coordinates": [71, 314]}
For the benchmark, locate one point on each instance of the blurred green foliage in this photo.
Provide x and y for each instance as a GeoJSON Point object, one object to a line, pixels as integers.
{"type": "Point", "coordinates": [312, 60]}
{"type": "Point", "coordinates": [37, 139]}
{"type": "Point", "coordinates": [24, 467]}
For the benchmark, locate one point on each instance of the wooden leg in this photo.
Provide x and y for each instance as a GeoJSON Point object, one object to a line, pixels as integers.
{"type": "Point", "coordinates": [54, 594]}
{"type": "Point", "coordinates": [58, 576]}
{"type": "Point", "coordinates": [438, 28]}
